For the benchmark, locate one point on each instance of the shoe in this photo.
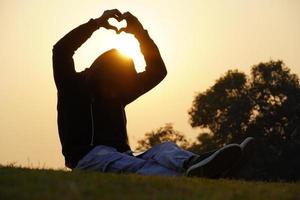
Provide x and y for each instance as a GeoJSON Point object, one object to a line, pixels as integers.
{"type": "Point", "coordinates": [248, 147]}
{"type": "Point", "coordinates": [219, 162]}
{"type": "Point", "coordinates": [197, 158]}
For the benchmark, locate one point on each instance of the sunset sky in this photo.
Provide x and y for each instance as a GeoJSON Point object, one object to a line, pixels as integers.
{"type": "Point", "coordinates": [199, 41]}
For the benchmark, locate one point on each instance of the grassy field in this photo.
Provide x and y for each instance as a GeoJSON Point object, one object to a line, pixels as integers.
{"type": "Point", "coordinates": [18, 183]}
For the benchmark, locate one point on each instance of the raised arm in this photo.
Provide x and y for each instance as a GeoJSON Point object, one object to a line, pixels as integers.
{"type": "Point", "coordinates": [64, 49]}
{"type": "Point", "coordinates": [155, 68]}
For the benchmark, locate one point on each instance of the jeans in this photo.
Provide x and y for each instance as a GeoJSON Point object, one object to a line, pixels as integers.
{"type": "Point", "coordinates": [165, 159]}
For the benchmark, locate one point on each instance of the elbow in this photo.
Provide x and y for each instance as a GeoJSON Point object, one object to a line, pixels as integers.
{"type": "Point", "coordinates": [161, 71]}
{"type": "Point", "coordinates": [61, 50]}
{"type": "Point", "coordinates": [60, 46]}
{"type": "Point", "coordinates": [56, 49]}
{"type": "Point", "coordinates": [161, 74]}
{"type": "Point", "coordinates": [164, 73]}
{"type": "Point", "coordinates": [54, 52]}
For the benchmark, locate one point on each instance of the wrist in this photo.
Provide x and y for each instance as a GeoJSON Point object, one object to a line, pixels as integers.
{"type": "Point", "coordinates": [141, 34]}
{"type": "Point", "coordinates": [99, 21]}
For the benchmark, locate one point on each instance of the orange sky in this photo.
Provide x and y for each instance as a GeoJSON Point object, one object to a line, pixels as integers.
{"type": "Point", "coordinates": [199, 41]}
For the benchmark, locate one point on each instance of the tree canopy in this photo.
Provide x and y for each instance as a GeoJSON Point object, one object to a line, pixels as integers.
{"type": "Point", "coordinates": [163, 134]}
{"type": "Point", "coordinates": [264, 105]}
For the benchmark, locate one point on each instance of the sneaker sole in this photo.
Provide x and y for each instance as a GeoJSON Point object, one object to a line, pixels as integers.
{"type": "Point", "coordinates": [216, 164]}
{"type": "Point", "coordinates": [248, 147]}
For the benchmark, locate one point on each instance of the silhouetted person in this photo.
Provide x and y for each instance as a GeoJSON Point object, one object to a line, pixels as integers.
{"type": "Point", "coordinates": [91, 116]}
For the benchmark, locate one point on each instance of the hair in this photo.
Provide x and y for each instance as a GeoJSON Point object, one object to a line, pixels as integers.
{"type": "Point", "coordinates": [111, 67]}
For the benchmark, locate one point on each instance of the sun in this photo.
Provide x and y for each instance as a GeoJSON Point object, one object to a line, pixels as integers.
{"type": "Point", "coordinates": [129, 46]}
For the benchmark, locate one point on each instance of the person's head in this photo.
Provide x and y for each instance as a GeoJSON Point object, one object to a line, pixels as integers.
{"type": "Point", "coordinates": [112, 74]}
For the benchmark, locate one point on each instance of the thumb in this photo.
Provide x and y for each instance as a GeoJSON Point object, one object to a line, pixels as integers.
{"type": "Point", "coordinates": [111, 27]}
{"type": "Point", "coordinates": [124, 29]}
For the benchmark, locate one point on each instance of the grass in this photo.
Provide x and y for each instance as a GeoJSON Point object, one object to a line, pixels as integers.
{"type": "Point", "coordinates": [21, 183]}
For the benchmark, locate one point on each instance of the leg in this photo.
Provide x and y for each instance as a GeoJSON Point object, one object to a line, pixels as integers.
{"type": "Point", "coordinates": [199, 158]}
{"type": "Point", "coordinates": [233, 170]}
{"type": "Point", "coordinates": [107, 159]}
{"type": "Point", "coordinates": [169, 155]}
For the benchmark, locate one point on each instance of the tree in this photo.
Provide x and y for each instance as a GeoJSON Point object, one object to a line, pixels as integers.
{"type": "Point", "coordinates": [265, 105]}
{"type": "Point", "coordinates": [163, 134]}
{"type": "Point", "coordinates": [203, 144]}
{"type": "Point", "coordinates": [275, 93]}
{"type": "Point", "coordinates": [224, 109]}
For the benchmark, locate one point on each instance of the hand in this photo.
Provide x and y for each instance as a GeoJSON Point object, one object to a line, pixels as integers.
{"type": "Point", "coordinates": [134, 26]}
{"type": "Point", "coordinates": [103, 20]}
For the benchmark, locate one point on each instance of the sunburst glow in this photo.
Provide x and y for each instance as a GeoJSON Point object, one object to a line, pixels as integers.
{"type": "Point", "coordinates": [129, 46]}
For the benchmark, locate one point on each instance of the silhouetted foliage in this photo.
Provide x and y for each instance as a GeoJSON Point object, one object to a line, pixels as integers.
{"type": "Point", "coordinates": [265, 105]}
{"type": "Point", "coordinates": [204, 142]}
{"type": "Point", "coordinates": [224, 108]}
{"type": "Point", "coordinates": [160, 135]}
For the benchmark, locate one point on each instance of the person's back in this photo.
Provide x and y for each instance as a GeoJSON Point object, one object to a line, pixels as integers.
{"type": "Point", "coordinates": [86, 120]}
{"type": "Point", "coordinates": [91, 103]}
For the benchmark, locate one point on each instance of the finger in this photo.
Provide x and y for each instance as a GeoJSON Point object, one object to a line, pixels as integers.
{"type": "Point", "coordinates": [115, 13]}
{"type": "Point", "coordinates": [112, 28]}
{"type": "Point", "coordinates": [122, 30]}
{"type": "Point", "coordinates": [128, 15]}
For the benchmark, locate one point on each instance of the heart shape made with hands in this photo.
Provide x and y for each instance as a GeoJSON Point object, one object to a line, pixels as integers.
{"type": "Point", "coordinates": [117, 24]}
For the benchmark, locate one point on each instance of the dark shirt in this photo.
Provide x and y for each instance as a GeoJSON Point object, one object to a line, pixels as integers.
{"type": "Point", "coordinates": [84, 122]}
